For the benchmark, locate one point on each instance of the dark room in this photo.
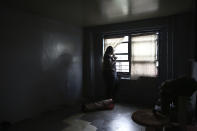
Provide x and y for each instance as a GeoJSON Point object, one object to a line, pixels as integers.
{"type": "Point", "coordinates": [98, 65]}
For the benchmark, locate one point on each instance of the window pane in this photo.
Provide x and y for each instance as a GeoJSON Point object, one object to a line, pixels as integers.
{"type": "Point", "coordinates": [122, 57]}
{"type": "Point", "coordinates": [152, 37]}
{"type": "Point", "coordinates": [114, 42]}
{"type": "Point", "coordinates": [125, 39]}
{"type": "Point", "coordinates": [144, 55]}
{"type": "Point", "coordinates": [144, 51]}
{"type": "Point", "coordinates": [122, 66]}
{"type": "Point", "coordinates": [121, 48]}
{"type": "Point", "coordinates": [143, 69]}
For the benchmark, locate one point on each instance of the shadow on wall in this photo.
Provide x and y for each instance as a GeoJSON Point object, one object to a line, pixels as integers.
{"type": "Point", "coordinates": [54, 82]}
{"type": "Point", "coordinates": [40, 71]}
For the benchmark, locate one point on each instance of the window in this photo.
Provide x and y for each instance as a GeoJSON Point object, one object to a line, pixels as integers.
{"type": "Point", "coordinates": [120, 46]}
{"type": "Point", "coordinates": [137, 54]}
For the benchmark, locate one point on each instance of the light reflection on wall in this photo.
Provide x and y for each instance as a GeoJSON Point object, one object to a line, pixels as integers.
{"type": "Point", "coordinates": [52, 51]}
{"type": "Point", "coordinates": [114, 8]}
{"type": "Point", "coordinates": [144, 6]}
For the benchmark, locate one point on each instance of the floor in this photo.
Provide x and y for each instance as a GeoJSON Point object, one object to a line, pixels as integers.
{"type": "Point", "coordinates": [118, 119]}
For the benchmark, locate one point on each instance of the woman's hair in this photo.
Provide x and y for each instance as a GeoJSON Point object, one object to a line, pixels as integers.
{"type": "Point", "coordinates": [109, 50]}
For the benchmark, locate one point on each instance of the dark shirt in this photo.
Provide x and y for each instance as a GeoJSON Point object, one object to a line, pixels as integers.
{"type": "Point", "coordinates": [109, 65]}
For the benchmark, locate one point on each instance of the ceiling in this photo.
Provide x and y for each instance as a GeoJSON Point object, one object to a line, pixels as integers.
{"type": "Point", "coordinates": [98, 12]}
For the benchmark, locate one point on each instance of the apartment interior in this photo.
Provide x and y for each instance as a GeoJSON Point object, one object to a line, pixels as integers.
{"type": "Point", "coordinates": [51, 60]}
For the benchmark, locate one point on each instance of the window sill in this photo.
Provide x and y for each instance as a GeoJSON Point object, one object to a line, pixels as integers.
{"type": "Point", "coordinates": [124, 77]}
{"type": "Point", "coordinates": [135, 78]}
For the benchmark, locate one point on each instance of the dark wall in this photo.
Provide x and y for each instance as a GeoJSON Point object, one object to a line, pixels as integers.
{"type": "Point", "coordinates": [41, 64]}
{"type": "Point", "coordinates": [175, 49]}
{"type": "Point", "coordinates": [195, 27]}
{"type": "Point", "coordinates": [183, 43]}
{"type": "Point", "coordinates": [195, 30]}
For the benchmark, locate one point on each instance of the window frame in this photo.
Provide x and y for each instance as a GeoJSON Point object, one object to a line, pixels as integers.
{"type": "Point", "coordinates": [120, 36]}
{"type": "Point", "coordinates": [130, 35]}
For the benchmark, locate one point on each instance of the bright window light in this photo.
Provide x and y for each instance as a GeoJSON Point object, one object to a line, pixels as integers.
{"type": "Point", "coordinates": [137, 57]}
{"type": "Point", "coordinates": [144, 55]}
{"type": "Point", "coordinates": [120, 46]}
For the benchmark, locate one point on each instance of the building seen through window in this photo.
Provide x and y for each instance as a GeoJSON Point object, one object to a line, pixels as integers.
{"type": "Point", "coordinates": [137, 54]}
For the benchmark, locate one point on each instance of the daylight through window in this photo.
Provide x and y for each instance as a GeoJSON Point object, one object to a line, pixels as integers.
{"type": "Point", "coordinates": [137, 54]}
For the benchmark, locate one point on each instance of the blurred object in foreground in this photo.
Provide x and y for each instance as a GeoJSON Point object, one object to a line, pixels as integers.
{"type": "Point", "coordinates": [100, 105]}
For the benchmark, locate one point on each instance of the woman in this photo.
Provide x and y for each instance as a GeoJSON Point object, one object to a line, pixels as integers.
{"type": "Point", "coordinates": [109, 71]}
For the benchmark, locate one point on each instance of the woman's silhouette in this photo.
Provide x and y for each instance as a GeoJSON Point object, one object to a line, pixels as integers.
{"type": "Point", "coordinates": [109, 71]}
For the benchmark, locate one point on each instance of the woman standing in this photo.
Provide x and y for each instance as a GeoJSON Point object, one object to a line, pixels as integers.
{"type": "Point", "coordinates": [109, 71]}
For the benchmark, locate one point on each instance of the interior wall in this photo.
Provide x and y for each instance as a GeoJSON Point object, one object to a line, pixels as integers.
{"type": "Point", "coordinates": [183, 44]}
{"type": "Point", "coordinates": [41, 64]}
